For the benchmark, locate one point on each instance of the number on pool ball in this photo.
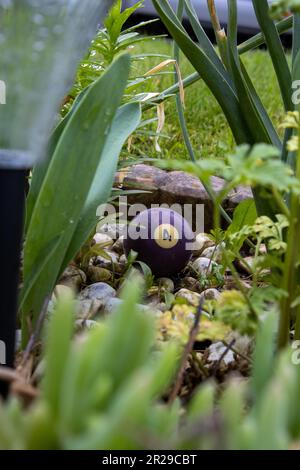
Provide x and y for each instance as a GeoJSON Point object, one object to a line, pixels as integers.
{"type": "Point", "coordinates": [166, 236]}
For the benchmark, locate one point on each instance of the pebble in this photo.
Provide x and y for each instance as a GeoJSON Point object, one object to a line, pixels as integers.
{"type": "Point", "coordinates": [97, 274]}
{"type": "Point", "coordinates": [210, 294]}
{"type": "Point", "coordinates": [61, 290]}
{"type": "Point", "coordinates": [73, 277]}
{"type": "Point", "coordinates": [118, 246]}
{"type": "Point", "coordinates": [123, 259]}
{"type": "Point", "coordinates": [201, 243]}
{"type": "Point", "coordinates": [216, 350]}
{"type": "Point", "coordinates": [191, 297]}
{"type": "Point", "coordinates": [103, 238]}
{"type": "Point", "coordinates": [213, 252]}
{"type": "Point", "coordinates": [114, 303]}
{"type": "Point", "coordinates": [190, 283]}
{"type": "Point", "coordinates": [166, 283]}
{"type": "Point", "coordinates": [93, 298]}
{"type": "Point", "coordinates": [249, 260]}
{"type": "Point", "coordinates": [203, 265]}
{"type": "Point", "coordinates": [107, 262]}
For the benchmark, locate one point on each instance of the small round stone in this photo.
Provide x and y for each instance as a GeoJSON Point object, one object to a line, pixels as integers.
{"type": "Point", "coordinates": [98, 274]}
{"type": "Point", "coordinates": [190, 283]}
{"type": "Point", "coordinates": [118, 246]}
{"type": "Point", "coordinates": [201, 243]}
{"type": "Point", "coordinates": [203, 265]}
{"type": "Point", "coordinates": [213, 252]}
{"type": "Point", "coordinates": [191, 297]}
{"type": "Point", "coordinates": [112, 258]}
{"type": "Point", "coordinates": [73, 277]}
{"type": "Point", "coordinates": [102, 238]}
{"type": "Point", "coordinates": [93, 298]}
{"type": "Point", "coordinates": [166, 283]}
{"type": "Point", "coordinates": [210, 294]}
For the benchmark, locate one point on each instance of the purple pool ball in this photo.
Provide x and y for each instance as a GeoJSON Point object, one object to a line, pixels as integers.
{"type": "Point", "coordinates": [161, 239]}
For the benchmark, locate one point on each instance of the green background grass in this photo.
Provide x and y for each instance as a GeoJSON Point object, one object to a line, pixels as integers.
{"type": "Point", "coordinates": [208, 129]}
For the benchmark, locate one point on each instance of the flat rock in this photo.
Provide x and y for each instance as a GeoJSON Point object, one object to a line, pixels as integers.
{"type": "Point", "coordinates": [176, 187]}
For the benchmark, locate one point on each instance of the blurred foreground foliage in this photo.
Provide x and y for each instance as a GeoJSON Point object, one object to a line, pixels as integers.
{"type": "Point", "coordinates": [108, 388]}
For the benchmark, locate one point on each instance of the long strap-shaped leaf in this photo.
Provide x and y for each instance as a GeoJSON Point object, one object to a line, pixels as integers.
{"type": "Point", "coordinates": [257, 117]}
{"type": "Point", "coordinates": [252, 43]}
{"type": "Point", "coordinates": [41, 168]}
{"type": "Point", "coordinates": [264, 116]}
{"type": "Point", "coordinates": [210, 74]}
{"type": "Point", "coordinates": [232, 27]}
{"type": "Point", "coordinates": [252, 116]}
{"type": "Point", "coordinates": [67, 184]}
{"type": "Point", "coordinates": [125, 122]}
{"type": "Point", "coordinates": [276, 51]}
{"type": "Point", "coordinates": [296, 36]}
{"type": "Point", "coordinates": [205, 43]}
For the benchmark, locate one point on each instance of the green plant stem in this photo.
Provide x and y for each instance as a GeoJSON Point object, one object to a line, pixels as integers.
{"type": "Point", "coordinates": [179, 104]}
{"type": "Point", "coordinates": [280, 203]}
{"type": "Point", "coordinates": [234, 272]}
{"type": "Point", "coordinates": [290, 269]}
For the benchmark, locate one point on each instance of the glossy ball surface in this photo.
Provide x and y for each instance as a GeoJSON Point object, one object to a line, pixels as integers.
{"type": "Point", "coordinates": [161, 239]}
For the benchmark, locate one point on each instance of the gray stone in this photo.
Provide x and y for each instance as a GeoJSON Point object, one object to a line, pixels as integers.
{"type": "Point", "coordinates": [191, 297]}
{"type": "Point", "coordinates": [103, 239]}
{"type": "Point", "coordinates": [105, 262]}
{"type": "Point", "coordinates": [114, 303]}
{"type": "Point", "coordinates": [237, 195]}
{"type": "Point", "coordinates": [201, 243]}
{"type": "Point", "coordinates": [210, 294]}
{"type": "Point", "coordinates": [203, 265]}
{"type": "Point", "coordinates": [216, 351]}
{"type": "Point", "coordinates": [93, 298]}
{"type": "Point", "coordinates": [213, 252]}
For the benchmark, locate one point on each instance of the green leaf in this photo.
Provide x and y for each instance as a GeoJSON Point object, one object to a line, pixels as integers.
{"type": "Point", "coordinates": [244, 214]}
{"type": "Point", "coordinates": [125, 122]}
{"type": "Point", "coordinates": [68, 181]}
{"type": "Point", "coordinates": [251, 112]}
{"type": "Point", "coordinates": [296, 36]}
{"type": "Point", "coordinates": [264, 354]}
{"type": "Point", "coordinates": [116, 19]}
{"type": "Point", "coordinates": [262, 11]}
{"type": "Point", "coordinates": [58, 342]}
{"type": "Point", "coordinates": [204, 41]}
{"type": "Point", "coordinates": [41, 168]}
